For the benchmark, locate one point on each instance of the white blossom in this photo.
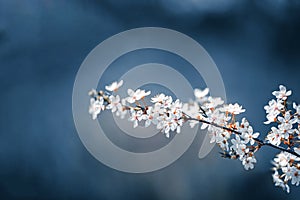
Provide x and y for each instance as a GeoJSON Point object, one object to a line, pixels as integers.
{"type": "Point", "coordinates": [283, 159]}
{"type": "Point", "coordinates": [113, 87]}
{"type": "Point", "coordinates": [171, 120]}
{"type": "Point", "coordinates": [248, 162]}
{"type": "Point", "coordinates": [135, 117]}
{"type": "Point", "coordinates": [201, 95]}
{"type": "Point", "coordinates": [222, 142]}
{"type": "Point", "coordinates": [282, 94]}
{"type": "Point", "coordinates": [162, 101]}
{"type": "Point", "coordinates": [295, 176]}
{"type": "Point", "coordinates": [136, 95]}
{"type": "Point", "coordinates": [233, 109]}
{"type": "Point", "coordinates": [271, 117]}
{"type": "Point", "coordinates": [213, 102]}
{"type": "Point", "coordinates": [151, 117]}
{"type": "Point", "coordinates": [296, 107]}
{"type": "Point", "coordinates": [279, 182]}
{"type": "Point", "coordinates": [239, 147]}
{"type": "Point", "coordinates": [169, 123]}
{"type": "Point", "coordinates": [288, 172]}
{"type": "Point", "coordinates": [274, 107]}
{"type": "Point", "coordinates": [114, 103]}
{"type": "Point", "coordinates": [249, 136]}
{"type": "Point", "coordinates": [286, 163]}
{"type": "Point", "coordinates": [121, 111]}
{"type": "Point", "coordinates": [286, 124]}
{"type": "Point", "coordinates": [273, 110]}
{"type": "Point", "coordinates": [160, 98]}
{"type": "Point", "coordinates": [245, 123]}
{"type": "Point", "coordinates": [274, 137]}
{"type": "Point", "coordinates": [96, 105]}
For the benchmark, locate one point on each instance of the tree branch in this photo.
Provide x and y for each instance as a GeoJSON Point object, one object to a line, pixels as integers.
{"type": "Point", "coordinates": [259, 141]}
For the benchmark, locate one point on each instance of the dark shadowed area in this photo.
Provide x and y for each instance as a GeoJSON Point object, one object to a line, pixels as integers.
{"type": "Point", "coordinates": [255, 44]}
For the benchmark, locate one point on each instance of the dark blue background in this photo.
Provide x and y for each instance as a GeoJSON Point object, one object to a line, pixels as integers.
{"type": "Point", "coordinates": [255, 45]}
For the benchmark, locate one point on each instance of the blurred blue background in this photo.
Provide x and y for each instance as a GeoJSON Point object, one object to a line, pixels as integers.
{"type": "Point", "coordinates": [255, 45]}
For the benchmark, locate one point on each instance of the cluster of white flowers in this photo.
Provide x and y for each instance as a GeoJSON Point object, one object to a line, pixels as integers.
{"type": "Point", "coordinates": [287, 168]}
{"type": "Point", "coordinates": [169, 113]}
{"type": "Point", "coordinates": [165, 113]}
{"type": "Point", "coordinates": [284, 134]}
{"type": "Point", "coordinates": [245, 145]}
{"type": "Point", "coordinates": [236, 138]}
